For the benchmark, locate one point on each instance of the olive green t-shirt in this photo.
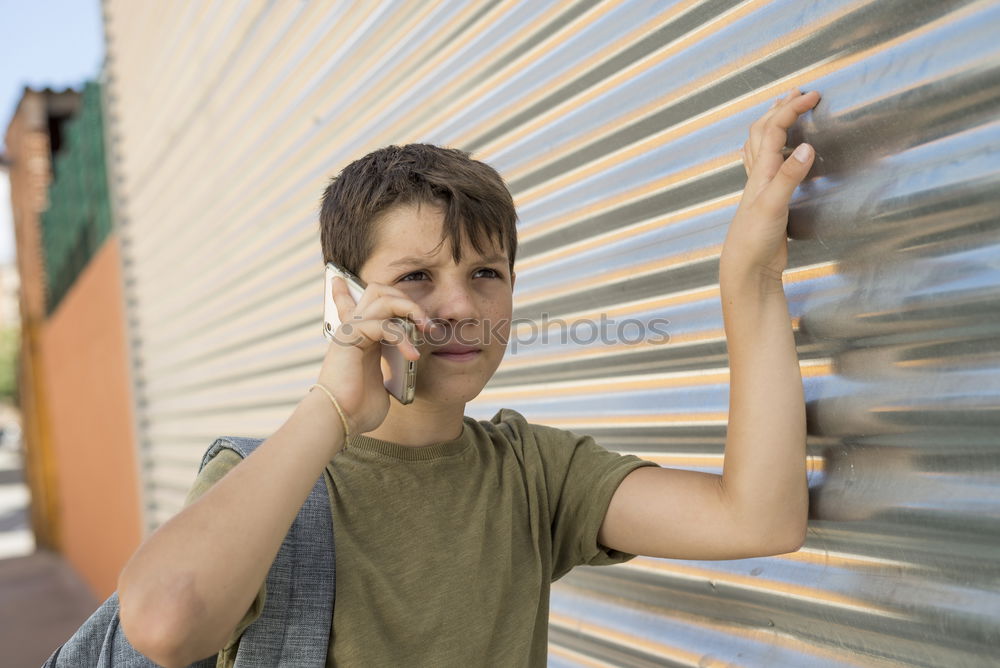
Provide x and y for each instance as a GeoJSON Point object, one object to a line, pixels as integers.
{"type": "Point", "coordinates": [445, 552]}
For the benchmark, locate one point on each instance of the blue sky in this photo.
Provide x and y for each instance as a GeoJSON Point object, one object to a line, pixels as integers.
{"type": "Point", "coordinates": [55, 43]}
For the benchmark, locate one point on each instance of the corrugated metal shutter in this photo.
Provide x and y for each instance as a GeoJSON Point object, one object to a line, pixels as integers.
{"type": "Point", "coordinates": [618, 126]}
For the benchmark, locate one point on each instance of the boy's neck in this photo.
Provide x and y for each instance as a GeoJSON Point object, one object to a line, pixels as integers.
{"type": "Point", "coordinates": [419, 424]}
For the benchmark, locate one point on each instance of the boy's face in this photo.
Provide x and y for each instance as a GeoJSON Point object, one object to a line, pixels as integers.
{"type": "Point", "coordinates": [472, 300]}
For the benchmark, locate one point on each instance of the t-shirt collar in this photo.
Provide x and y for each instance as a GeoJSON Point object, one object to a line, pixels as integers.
{"type": "Point", "coordinates": [361, 443]}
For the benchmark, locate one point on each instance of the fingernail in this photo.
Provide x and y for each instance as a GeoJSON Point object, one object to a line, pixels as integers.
{"type": "Point", "coordinates": [803, 153]}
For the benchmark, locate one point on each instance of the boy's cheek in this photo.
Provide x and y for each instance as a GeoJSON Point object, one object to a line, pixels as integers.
{"type": "Point", "coordinates": [498, 332]}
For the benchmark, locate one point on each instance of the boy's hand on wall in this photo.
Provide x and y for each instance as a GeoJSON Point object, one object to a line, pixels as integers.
{"type": "Point", "coordinates": [757, 242]}
{"type": "Point", "coordinates": [352, 368]}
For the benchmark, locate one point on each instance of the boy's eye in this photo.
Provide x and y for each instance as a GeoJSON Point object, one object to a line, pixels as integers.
{"type": "Point", "coordinates": [494, 272]}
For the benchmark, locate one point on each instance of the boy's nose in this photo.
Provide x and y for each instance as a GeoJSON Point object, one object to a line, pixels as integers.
{"type": "Point", "coordinates": [455, 306]}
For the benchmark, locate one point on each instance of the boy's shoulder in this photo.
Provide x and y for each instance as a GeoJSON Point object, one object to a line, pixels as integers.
{"type": "Point", "coordinates": [556, 449]}
{"type": "Point", "coordinates": [510, 422]}
{"type": "Point", "coordinates": [517, 428]}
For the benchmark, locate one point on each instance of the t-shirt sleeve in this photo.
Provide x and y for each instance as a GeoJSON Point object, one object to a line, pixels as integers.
{"type": "Point", "coordinates": [212, 473]}
{"type": "Point", "coordinates": [581, 477]}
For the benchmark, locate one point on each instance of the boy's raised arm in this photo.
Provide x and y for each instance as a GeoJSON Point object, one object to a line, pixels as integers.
{"type": "Point", "coordinates": [759, 505]}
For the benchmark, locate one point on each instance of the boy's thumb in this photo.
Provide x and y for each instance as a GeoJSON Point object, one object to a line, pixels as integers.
{"type": "Point", "coordinates": [779, 192]}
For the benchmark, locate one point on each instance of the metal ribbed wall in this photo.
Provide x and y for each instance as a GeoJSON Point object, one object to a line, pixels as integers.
{"type": "Point", "coordinates": [618, 126]}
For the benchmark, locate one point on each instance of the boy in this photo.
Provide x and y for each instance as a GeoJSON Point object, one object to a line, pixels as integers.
{"type": "Point", "coordinates": [449, 530]}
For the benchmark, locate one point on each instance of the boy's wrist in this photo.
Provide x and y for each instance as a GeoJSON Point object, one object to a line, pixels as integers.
{"type": "Point", "coordinates": [336, 404]}
{"type": "Point", "coordinates": [319, 417]}
{"type": "Point", "coordinates": [738, 270]}
{"type": "Point", "coordinates": [749, 280]}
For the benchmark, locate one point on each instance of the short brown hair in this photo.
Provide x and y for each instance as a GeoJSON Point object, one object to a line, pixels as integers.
{"type": "Point", "coordinates": [474, 197]}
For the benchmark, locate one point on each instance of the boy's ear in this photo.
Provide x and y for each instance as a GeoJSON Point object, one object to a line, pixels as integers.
{"type": "Point", "coordinates": [513, 275]}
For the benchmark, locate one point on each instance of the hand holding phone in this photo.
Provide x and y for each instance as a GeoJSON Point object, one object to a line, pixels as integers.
{"type": "Point", "coordinates": [399, 374]}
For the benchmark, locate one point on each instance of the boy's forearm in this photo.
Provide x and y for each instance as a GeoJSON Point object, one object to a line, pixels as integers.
{"type": "Point", "coordinates": [765, 461]}
{"type": "Point", "coordinates": [189, 584]}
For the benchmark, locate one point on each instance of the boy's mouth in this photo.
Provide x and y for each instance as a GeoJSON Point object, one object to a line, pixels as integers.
{"type": "Point", "coordinates": [457, 352]}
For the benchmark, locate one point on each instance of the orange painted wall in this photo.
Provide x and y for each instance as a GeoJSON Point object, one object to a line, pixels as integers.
{"type": "Point", "coordinates": [86, 374]}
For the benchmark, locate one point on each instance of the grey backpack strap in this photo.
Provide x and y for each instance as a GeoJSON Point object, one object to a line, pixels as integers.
{"type": "Point", "coordinates": [294, 626]}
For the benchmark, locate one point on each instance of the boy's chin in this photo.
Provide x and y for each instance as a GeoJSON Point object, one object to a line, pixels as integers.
{"type": "Point", "coordinates": [449, 391]}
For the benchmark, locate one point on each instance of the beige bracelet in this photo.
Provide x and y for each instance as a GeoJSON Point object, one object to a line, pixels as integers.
{"type": "Point", "coordinates": [343, 418]}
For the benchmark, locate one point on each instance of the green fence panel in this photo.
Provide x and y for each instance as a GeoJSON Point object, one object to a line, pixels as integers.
{"type": "Point", "coordinates": [78, 218]}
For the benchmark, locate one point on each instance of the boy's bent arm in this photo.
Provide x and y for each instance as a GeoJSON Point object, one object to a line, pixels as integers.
{"type": "Point", "coordinates": [759, 505]}
{"type": "Point", "coordinates": [186, 588]}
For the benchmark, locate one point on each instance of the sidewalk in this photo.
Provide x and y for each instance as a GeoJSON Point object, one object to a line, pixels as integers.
{"type": "Point", "coordinates": [42, 600]}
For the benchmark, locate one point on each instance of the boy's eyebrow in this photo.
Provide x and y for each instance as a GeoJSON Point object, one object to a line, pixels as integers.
{"type": "Point", "coordinates": [416, 259]}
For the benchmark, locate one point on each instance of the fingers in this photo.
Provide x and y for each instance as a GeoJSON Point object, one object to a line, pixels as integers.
{"type": "Point", "coordinates": [379, 301]}
{"type": "Point", "coordinates": [376, 317]}
{"type": "Point", "coordinates": [775, 130]}
{"type": "Point", "coordinates": [753, 144]}
{"type": "Point", "coordinates": [397, 332]}
{"type": "Point", "coordinates": [389, 306]}
{"type": "Point", "coordinates": [366, 334]}
{"type": "Point", "coordinates": [342, 299]}
{"type": "Point", "coordinates": [768, 135]}
{"type": "Point", "coordinates": [774, 199]}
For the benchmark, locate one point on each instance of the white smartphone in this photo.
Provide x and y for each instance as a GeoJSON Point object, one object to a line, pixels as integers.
{"type": "Point", "coordinates": [399, 373]}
